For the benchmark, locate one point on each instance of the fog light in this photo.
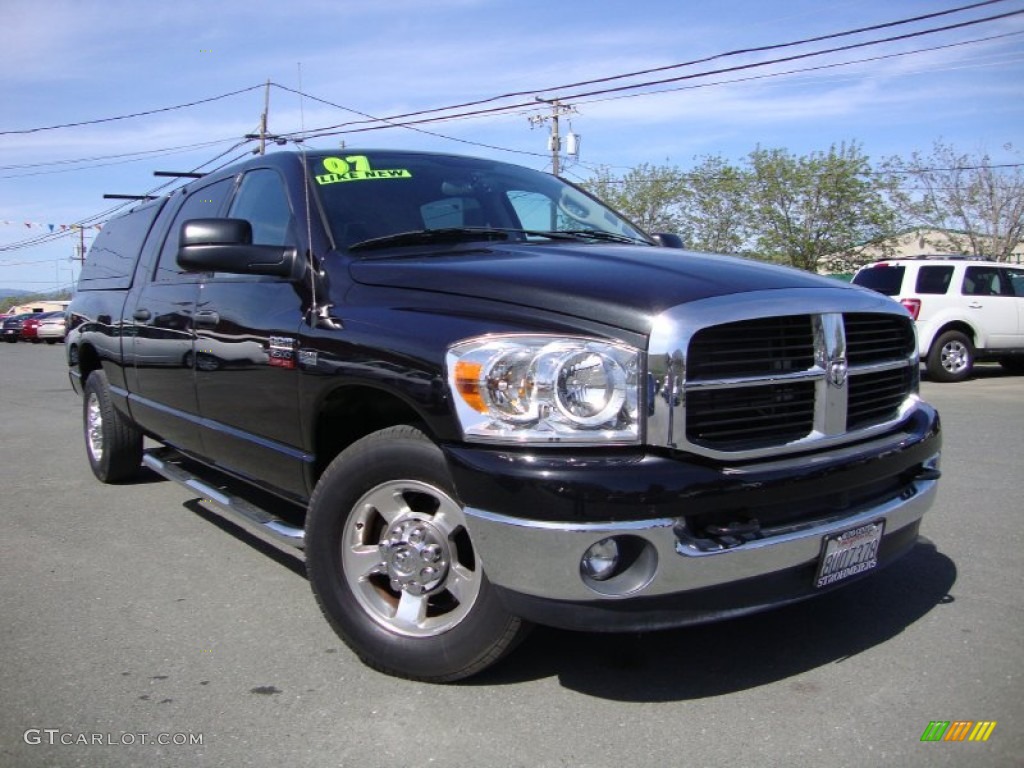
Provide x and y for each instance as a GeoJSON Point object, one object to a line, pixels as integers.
{"type": "Point", "coordinates": [601, 559]}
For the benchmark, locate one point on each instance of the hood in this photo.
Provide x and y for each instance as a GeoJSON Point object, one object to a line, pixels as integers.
{"type": "Point", "coordinates": [623, 286]}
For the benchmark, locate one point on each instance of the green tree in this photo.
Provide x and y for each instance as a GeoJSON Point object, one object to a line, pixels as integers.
{"type": "Point", "coordinates": [806, 210]}
{"type": "Point", "coordinates": [649, 195]}
{"type": "Point", "coordinates": [713, 210]}
{"type": "Point", "coordinates": [976, 205]}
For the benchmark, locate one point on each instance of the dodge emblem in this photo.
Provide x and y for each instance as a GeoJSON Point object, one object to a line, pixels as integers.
{"type": "Point", "coordinates": [837, 370]}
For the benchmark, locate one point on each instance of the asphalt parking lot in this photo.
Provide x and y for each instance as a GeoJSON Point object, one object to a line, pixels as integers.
{"type": "Point", "coordinates": [137, 630]}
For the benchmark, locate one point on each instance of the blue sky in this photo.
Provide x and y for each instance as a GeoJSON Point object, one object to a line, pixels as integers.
{"type": "Point", "coordinates": [63, 61]}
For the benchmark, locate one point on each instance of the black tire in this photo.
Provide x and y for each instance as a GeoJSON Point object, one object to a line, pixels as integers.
{"type": "Point", "coordinates": [384, 502]}
{"type": "Point", "coordinates": [112, 442]}
{"type": "Point", "coordinates": [951, 357]}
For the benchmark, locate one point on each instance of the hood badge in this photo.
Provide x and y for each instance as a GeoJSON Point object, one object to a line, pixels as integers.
{"type": "Point", "coordinates": [837, 372]}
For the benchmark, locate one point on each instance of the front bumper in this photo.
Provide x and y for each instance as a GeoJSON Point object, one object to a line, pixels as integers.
{"type": "Point", "coordinates": [532, 519]}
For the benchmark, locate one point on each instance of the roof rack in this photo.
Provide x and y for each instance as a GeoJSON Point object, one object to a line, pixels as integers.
{"type": "Point", "coordinates": [942, 256]}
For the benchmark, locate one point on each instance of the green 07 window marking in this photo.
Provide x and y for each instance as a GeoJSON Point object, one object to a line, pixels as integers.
{"type": "Point", "coordinates": [356, 168]}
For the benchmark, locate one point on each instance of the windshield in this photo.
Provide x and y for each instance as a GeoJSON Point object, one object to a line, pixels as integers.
{"type": "Point", "coordinates": [380, 194]}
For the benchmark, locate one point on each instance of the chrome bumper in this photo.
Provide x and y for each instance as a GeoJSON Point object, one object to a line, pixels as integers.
{"type": "Point", "coordinates": [542, 559]}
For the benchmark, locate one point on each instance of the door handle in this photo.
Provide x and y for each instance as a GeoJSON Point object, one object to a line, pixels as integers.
{"type": "Point", "coordinates": [207, 318]}
{"type": "Point", "coordinates": [142, 315]}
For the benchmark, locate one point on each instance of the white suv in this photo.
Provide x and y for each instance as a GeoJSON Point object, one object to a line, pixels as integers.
{"type": "Point", "coordinates": [966, 310]}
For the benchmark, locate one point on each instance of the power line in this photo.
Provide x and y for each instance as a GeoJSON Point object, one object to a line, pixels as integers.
{"type": "Point", "coordinates": [798, 57]}
{"type": "Point", "coordinates": [99, 120]}
{"type": "Point", "coordinates": [132, 157]}
{"type": "Point", "coordinates": [758, 49]}
{"type": "Point", "coordinates": [816, 68]}
{"type": "Point", "coordinates": [104, 215]}
{"type": "Point", "coordinates": [423, 118]}
{"type": "Point", "coordinates": [126, 156]}
{"type": "Point", "coordinates": [408, 127]}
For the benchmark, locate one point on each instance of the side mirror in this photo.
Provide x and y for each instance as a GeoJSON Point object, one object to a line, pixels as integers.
{"type": "Point", "coordinates": [667, 240]}
{"type": "Point", "coordinates": [225, 245]}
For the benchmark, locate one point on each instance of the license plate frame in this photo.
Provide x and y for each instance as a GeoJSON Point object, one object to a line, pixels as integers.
{"type": "Point", "coordinates": [848, 553]}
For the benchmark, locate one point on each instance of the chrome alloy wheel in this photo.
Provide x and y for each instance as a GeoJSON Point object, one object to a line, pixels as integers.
{"type": "Point", "coordinates": [955, 356]}
{"type": "Point", "coordinates": [94, 427]}
{"type": "Point", "coordinates": [407, 557]}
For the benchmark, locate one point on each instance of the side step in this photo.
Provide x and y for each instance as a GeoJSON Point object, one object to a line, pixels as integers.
{"type": "Point", "coordinates": [170, 464]}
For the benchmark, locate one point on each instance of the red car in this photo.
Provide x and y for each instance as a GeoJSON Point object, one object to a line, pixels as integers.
{"type": "Point", "coordinates": [12, 327]}
{"type": "Point", "coordinates": [30, 326]}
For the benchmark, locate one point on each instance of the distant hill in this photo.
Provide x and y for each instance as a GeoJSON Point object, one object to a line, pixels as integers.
{"type": "Point", "coordinates": [10, 297]}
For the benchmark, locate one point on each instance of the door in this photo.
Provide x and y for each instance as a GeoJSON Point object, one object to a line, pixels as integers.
{"type": "Point", "coordinates": [247, 333]}
{"type": "Point", "coordinates": [1015, 279]}
{"type": "Point", "coordinates": [991, 306]}
{"type": "Point", "coordinates": [163, 333]}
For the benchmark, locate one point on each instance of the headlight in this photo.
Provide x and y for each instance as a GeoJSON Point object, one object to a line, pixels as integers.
{"type": "Point", "coordinates": [545, 389]}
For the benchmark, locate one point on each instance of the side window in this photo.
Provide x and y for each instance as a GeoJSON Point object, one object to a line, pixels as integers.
{"type": "Point", "coordinates": [934, 279]}
{"type": "Point", "coordinates": [203, 203]}
{"type": "Point", "coordinates": [111, 259]}
{"type": "Point", "coordinates": [263, 202]}
{"type": "Point", "coordinates": [1015, 278]}
{"type": "Point", "coordinates": [884, 279]}
{"type": "Point", "coordinates": [984, 281]}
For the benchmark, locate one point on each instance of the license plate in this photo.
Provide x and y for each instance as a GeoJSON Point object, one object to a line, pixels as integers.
{"type": "Point", "coordinates": [849, 553]}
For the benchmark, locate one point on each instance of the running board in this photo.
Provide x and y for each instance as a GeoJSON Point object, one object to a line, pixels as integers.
{"type": "Point", "coordinates": [168, 463]}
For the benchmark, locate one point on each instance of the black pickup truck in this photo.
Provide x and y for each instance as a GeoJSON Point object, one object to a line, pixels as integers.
{"type": "Point", "coordinates": [475, 398]}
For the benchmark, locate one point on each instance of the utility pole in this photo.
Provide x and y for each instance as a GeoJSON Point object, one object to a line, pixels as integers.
{"type": "Point", "coordinates": [263, 136]}
{"type": "Point", "coordinates": [555, 139]}
{"type": "Point", "coordinates": [80, 257]}
{"type": "Point", "coordinates": [263, 119]}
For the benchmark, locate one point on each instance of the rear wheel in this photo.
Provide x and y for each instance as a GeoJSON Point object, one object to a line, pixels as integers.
{"type": "Point", "coordinates": [951, 357]}
{"type": "Point", "coordinates": [393, 566]}
{"type": "Point", "coordinates": [112, 442]}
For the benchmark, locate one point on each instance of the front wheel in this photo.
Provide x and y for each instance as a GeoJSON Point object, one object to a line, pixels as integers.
{"type": "Point", "coordinates": [951, 357]}
{"type": "Point", "coordinates": [394, 568]}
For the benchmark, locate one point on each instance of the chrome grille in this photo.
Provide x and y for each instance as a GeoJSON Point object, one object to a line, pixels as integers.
{"type": "Point", "coordinates": [752, 348]}
{"type": "Point", "coordinates": [750, 417]}
{"type": "Point", "coordinates": [874, 338]}
{"type": "Point", "coordinates": [877, 397]}
{"type": "Point", "coordinates": [751, 381]}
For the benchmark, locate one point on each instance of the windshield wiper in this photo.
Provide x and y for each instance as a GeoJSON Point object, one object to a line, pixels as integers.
{"type": "Point", "coordinates": [595, 234]}
{"type": "Point", "coordinates": [469, 234]}
{"type": "Point", "coordinates": [429, 236]}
